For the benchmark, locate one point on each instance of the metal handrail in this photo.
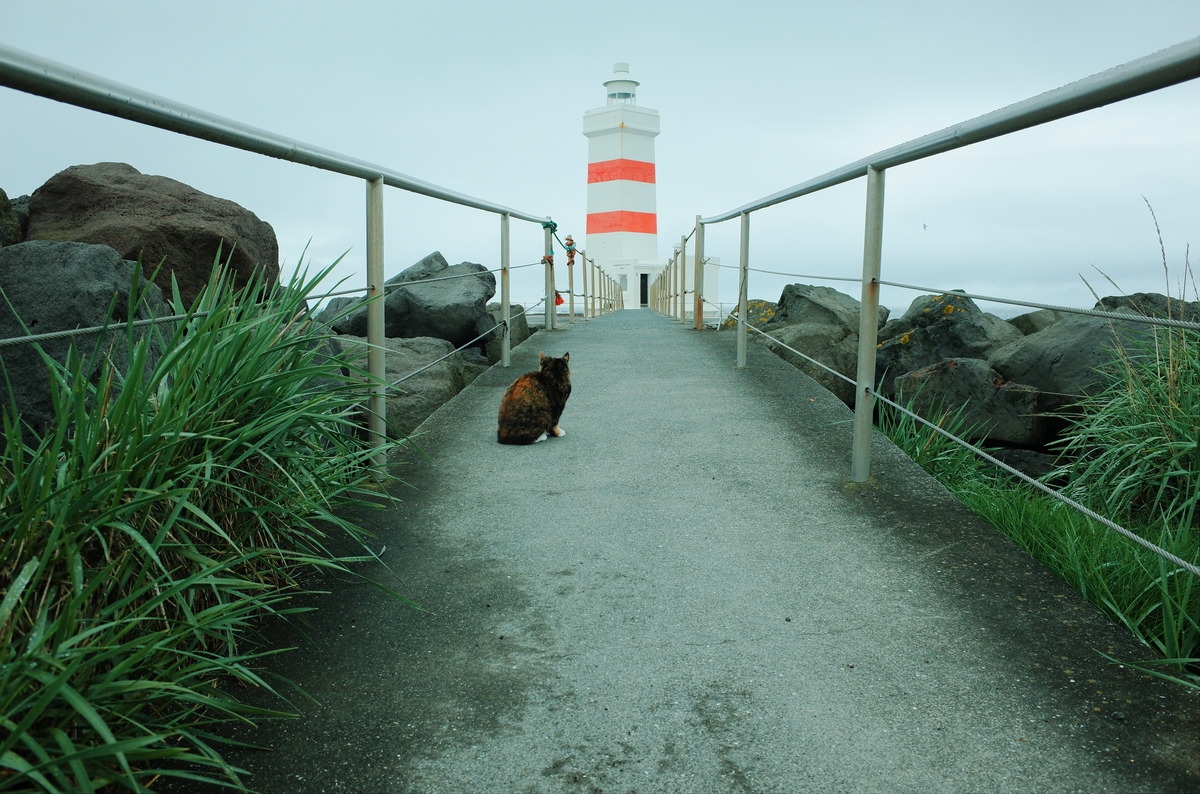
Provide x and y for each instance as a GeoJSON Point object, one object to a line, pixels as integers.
{"type": "Point", "coordinates": [1171, 66]}
{"type": "Point", "coordinates": [33, 74]}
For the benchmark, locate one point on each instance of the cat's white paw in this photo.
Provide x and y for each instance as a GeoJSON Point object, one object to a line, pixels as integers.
{"type": "Point", "coordinates": [558, 431]}
{"type": "Point", "coordinates": [542, 437]}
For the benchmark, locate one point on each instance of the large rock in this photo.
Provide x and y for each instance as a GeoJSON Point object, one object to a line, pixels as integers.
{"type": "Point", "coordinates": [995, 409]}
{"type": "Point", "coordinates": [1032, 322]}
{"type": "Point", "coordinates": [518, 325]}
{"type": "Point", "coordinates": [56, 286]}
{"type": "Point", "coordinates": [827, 343]}
{"type": "Point", "coordinates": [1074, 356]}
{"type": "Point", "coordinates": [10, 223]}
{"type": "Point", "coordinates": [937, 328]}
{"type": "Point", "coordinates": [821, 324]}
{"type": "Point", "coordinates": [453, 308]}
{"type": "Point", "coordinates": [153, 218]}
{"type": "Point", "coordinates": [411, 401]}
{"type": "Point", "coordinates": [760, 313]}
{"type": "Point", "coordinates": [805, 303]}
{"type": "Point", "coordinates": [1151, 304]}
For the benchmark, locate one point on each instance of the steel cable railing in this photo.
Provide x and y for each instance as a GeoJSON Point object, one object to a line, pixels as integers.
{"type": "Point", "coordinates": [459, 349]}
{"type": "Point", "coordinates": [399, 284]}
{"type": "Point", "coordinates": [96, 329]}
{"type": "Point", "coordinates": [1054, 494]}
{"type": "Point", "coordinates": [100, 329]}
{"type": "Point", "coordinates": [1161, 552]}
{"type": "Point", "coordinates": [1136, 318]}
{"type": "Point", "coordinates": [1123, 316]}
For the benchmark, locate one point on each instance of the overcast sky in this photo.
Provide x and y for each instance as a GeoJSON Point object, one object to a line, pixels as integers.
{"type": "Point", "coordinates": [487, 99]}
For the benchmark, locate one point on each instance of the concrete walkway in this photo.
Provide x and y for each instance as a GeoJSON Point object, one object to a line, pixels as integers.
{"type": "Point", "coordinates": [684, 595]}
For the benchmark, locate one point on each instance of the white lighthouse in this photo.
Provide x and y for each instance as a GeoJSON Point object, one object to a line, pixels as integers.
{"type": "Point", "coordinates": [622, 222]}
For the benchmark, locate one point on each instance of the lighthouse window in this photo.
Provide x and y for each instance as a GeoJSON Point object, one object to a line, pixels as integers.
{"type": "Point", "coordinates": [622, 97]}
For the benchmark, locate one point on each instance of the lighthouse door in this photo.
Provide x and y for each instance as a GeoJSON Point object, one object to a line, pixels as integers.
{"type": "Point", "coordinates": [645, 290]}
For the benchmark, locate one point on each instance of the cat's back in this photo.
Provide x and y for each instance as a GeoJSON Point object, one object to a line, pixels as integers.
{"type": "Point", "coordinates": [524, 409]}
{"type": "Point", "coordinates": [532, 404]}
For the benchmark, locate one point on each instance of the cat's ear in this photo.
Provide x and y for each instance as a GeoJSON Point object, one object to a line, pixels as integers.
{"type": "Point", "coordinates": [541, 356]}
{"type": "Point", "coordinates": [566, 357]}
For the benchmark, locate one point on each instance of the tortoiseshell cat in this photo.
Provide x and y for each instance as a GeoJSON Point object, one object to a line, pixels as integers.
{"type": "Point", "coordinates": [531, 407]}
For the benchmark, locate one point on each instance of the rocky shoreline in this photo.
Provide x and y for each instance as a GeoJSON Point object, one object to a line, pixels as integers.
{"type": "Point", "coordinates": [1015, 378]}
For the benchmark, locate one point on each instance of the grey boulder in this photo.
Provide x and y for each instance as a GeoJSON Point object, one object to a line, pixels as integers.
{"type": "Point", "coordinates": [151, 219]}
{"type": "Point", "coordinates": [11, 231]}
{"type": "Point", "coordinates": [1076, 356]}
{"type": "Point", "coordinates": [826, 343]}
{"type": "Point", "coordinates": [992, 408]}
{"type": "Point", "coordinates": [433, 299]}
{"type": "Point", "coordinates": [937, 328]}
{"type": "Point", "coordinates": [413, 399]}
{"type": "Point", "coordinates": [55, 286]}
{"type": "Point", "coordinates": [805, 303]}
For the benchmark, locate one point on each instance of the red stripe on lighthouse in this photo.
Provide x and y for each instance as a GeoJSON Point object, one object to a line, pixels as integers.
{"type": "Point", "coordinates": [622, 221]}
{"type": "Point", "coordinates": [632, 170]}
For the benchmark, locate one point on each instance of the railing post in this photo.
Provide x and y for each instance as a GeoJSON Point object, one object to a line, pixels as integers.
{"type": "Point", "coordinates": [743, 278]}
{"type": "Point", "coordinates": [868, 328]}
{"type": "Point", "coordinates": [551, 309]}
{"type": "Point", "coordinates": [672, 284]}
{"type": "Point", "coordinates": [698, 279]}
{"type": "Point", "coordinates": [583, 284]}
{"type": "Point", "coordinates": [570, 292]}
{"type": "Point", "coordinates": [678, 282]}
{"type": "Point", "coordinates": [505, 309]}
{"type": "Point", "coordinates": [669, 292]}
{"type": "Point", "coordinates": [683, 279]}
{"type": "Point", "coordinates": [376, 352]}
{"type": "Point", "coordinates": [666, 284]}
{"type": "Point", "coordinates": [657, 302]}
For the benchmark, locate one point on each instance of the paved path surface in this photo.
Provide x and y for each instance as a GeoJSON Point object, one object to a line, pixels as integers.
{"type": "Point", "coordinates": [684, 595]}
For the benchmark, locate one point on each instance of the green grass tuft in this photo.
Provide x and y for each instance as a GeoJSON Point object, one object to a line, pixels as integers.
{"type": "Point", "coordinates": [1132, 454]}
{"type": "Point", "coordinates": [170, 507]}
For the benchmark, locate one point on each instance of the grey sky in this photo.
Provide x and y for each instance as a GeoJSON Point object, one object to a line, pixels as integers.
{"type": "Point", "coordinates": [487, 99]}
